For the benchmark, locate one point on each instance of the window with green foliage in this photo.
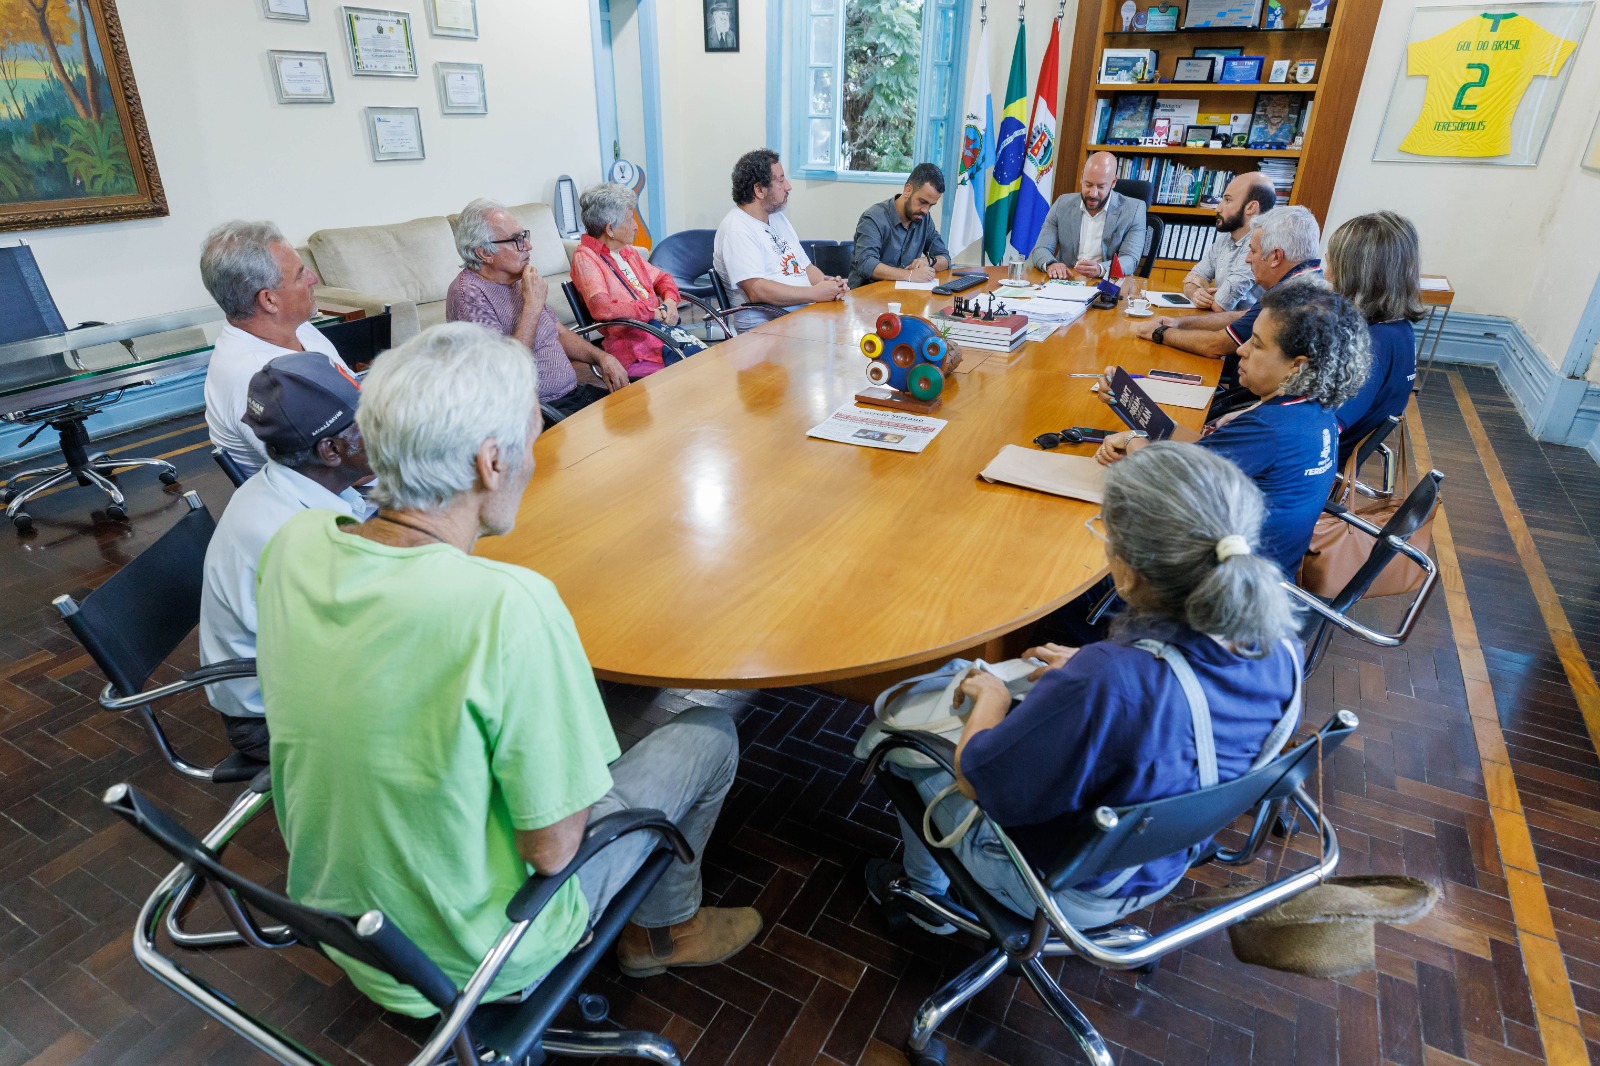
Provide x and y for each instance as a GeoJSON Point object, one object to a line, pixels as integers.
{"type": "Point", "coordinates": [875, 84]}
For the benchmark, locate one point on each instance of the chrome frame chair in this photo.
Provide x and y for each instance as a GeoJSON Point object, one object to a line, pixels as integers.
{"type": "Point", "coordinates": [468, 1030]}
{"type": "Point", "coordinates": [687, 255]}
{"type": "Point", "coordinates": [1390, 541]}
{"type": "Point", "coordinates": [230, 466]}
{"type": "Point", "coordinates": [586, 322]}
{"type": "Point", "coordinates": [134, 621]}
{"type": "Point", "coordinates": [768, 310]}
{"type": "Point", "coordinates": [1374, 444]}
{"type": "Point", "coordinates": [1099, 842]}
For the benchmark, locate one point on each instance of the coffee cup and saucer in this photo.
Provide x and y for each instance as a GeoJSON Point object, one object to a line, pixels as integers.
{"type": "Point", "coordinates": [1138, 307]}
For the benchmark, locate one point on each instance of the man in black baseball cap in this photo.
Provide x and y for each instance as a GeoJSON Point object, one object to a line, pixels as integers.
{"type": "Point", "coordinates": [303, 409]}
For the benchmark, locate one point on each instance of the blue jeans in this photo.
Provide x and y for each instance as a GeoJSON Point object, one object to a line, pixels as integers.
{"type": "Point", "coordinates": [986, 859]}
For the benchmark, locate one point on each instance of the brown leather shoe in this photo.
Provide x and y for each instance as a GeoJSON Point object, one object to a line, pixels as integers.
{"type": "Point", "coordinates": [711, 936]}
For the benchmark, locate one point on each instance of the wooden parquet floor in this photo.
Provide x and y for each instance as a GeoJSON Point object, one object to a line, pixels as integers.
{"type": "Point", "coordinates": [1505, 972]}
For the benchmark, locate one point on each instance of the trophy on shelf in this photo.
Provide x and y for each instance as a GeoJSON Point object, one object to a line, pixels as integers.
{"type": "Point", "coordinates": [908, 362]}
{"type": "Point", "coordinates": [1129, 9]}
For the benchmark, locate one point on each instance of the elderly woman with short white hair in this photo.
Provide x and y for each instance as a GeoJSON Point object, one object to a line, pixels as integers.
{"type": "Point", "coordinates": [615, 281]}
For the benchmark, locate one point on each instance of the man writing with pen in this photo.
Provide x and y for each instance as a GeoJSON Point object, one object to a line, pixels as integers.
{"type": "Point", "coordinates": [896, 239]}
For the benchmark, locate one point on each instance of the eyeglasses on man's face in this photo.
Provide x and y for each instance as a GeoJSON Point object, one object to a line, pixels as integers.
{"type": "Point", "coordinates": [519, 240]}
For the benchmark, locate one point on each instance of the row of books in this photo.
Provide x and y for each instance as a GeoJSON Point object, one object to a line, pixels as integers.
{"type": "Point", "coordinates": [1282, 172]}
{"type": "Point", "coordinates": [1186, 241]}
{"type": "Point", "coordinates": [1176, 184]}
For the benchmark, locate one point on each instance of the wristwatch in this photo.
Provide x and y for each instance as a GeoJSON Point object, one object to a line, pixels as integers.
{"type": "Point", "coordinates": [1132, 433]}
{"type": "Point", "coordinates": [1158, 333]}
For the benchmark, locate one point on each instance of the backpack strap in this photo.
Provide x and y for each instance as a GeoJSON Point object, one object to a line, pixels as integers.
{"type": "Point", "coordinates": [1205, 741]}
{"type": "Point", "coordinates": [1273, 746]}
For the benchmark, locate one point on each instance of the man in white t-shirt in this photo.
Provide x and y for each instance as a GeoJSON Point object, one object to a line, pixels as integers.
{"type": "Point", "coordinates": [265, 290]}
{"type": "Point", "coordinates": [757, 252]}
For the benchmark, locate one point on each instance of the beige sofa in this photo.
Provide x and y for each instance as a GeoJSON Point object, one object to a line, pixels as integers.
{"type": "Point", "coordinates": [407, 266]}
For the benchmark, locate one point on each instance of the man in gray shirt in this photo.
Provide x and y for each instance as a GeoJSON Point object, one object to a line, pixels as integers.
{"type": "Point", "coordinates": [1222, 280]}
{"type": "Point", "coordinates": [896, 240]}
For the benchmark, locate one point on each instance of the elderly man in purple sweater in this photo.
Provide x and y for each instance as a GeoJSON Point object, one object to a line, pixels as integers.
{"type": "Point", "coordinates": [498, 287]}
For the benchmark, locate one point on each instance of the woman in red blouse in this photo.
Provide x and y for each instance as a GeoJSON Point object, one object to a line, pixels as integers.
{"type": "Point", "coordinates": [615, 281]}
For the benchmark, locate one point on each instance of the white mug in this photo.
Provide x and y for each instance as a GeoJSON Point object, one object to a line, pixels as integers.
{"type": "Point", "coordinates": [1138, 304]}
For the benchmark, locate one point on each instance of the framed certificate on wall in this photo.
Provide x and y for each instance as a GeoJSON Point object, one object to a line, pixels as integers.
{"type": "Point", "coordinates": [461, 90]}
{"type": "Point", "coordinates": [453, 18]}
{"type": "Point", "coordinates": [394, 133]}
{"type": "Point", "coordinates": [288, 10]}
{"type": "Point", "coordinates": [301, 77]}
{"type": "Point", "coordinates": [379, 42]}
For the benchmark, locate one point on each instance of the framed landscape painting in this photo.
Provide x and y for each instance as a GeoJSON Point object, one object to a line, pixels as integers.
{"type": "Point", "coordinates": [74, 147]}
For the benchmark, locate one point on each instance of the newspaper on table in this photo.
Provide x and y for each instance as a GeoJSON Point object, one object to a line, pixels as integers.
{"type": "Point", "coordinates": [878, 428]}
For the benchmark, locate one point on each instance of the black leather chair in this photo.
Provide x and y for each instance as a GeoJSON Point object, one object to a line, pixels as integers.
{"type": "Point", "coordinates": [468, 1030]}
{"type": "Point", "coordinates": [138, 617]}
{"type": "Point", "coordinates": [1101, 841]}
{"type": "Point", "coordinates": [1374, 444]}
{"type": "Point", "coordinates": [686, 255]}
{"type": "Point", "coordinates": [587, 324]}
{"type": "Point", "coordinates": [230, 466]}
{"type": "Point", "coordinates": [1135, 189]}
{"type": "Point", "coordinates": [833, 258]}
{"type": "Point", "coordinates": [1392, 540]}
{"type": "Point", "coordinates": [1154, 227]}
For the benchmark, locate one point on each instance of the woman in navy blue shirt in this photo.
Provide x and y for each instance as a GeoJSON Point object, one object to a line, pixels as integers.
{"type": "Point", "coordinates": [1308, 353]}
{"type": "Point", "coordinates": [1110, 723]}
{"type": "Point", "coordinates": [1374, 261]}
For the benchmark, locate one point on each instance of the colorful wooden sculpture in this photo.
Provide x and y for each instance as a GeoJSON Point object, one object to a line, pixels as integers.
{"type": "Point", "coordinates": [908, 354]}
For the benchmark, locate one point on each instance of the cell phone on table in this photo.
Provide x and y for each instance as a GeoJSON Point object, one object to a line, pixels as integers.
{"type": "Point", "coordinates": [1176, 299]}
{"type": "Point", "coordinates": [1174, 375]}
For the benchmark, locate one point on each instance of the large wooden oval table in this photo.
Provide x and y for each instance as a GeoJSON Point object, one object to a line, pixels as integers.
{"type": "Point", "coordinates": [700, 539]}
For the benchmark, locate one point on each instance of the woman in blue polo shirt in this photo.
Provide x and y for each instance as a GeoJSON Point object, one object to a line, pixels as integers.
{"type": "Point", "coordinates": [1111, 723]}
{"type": "Point", "coordinates": [1374, 261]}
{"type": "Point", "coordinates": [1309, 353]}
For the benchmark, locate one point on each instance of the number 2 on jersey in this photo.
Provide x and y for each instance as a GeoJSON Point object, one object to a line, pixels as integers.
{"type": "Point", "coordinates": [1461, 93]}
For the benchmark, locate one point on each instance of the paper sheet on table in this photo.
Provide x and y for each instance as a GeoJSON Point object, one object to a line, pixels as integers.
{"type": "Point", "coordinates": [877, 428]}
{"type": "Point", "coordinates": [925, 286]}
{"type": "Point", "coordinates": [1173, 393]}
{"type": "Point", "coordinates": [1435, 284]}
{"type": "Point", "coordinates": [1066, 290]}
{"type": "Point", "coordinates": [1078, 477]}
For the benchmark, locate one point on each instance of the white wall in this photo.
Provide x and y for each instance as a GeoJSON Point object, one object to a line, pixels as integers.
{"type": "Point", "coordinates": [227, 149]}
{"type": "Point", "coordinates": [1514, 241]}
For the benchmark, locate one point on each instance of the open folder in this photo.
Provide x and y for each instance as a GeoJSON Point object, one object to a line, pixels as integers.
{"type": "Point", "coordinates": [1079, 477]}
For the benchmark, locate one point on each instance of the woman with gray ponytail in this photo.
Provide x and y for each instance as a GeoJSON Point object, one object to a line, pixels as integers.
{"type": "Point", "coordinates": [1205, 648]}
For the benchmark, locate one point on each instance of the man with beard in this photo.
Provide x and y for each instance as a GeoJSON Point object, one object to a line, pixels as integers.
{"type": "Point", "coordinates": [1222, 280]}
{"type": "Point", "coordinates": [1085, 230]}
{"type": "Point", "coordinates": [896, 240]}
{"type": "Point", "coordinates": [757, 253]}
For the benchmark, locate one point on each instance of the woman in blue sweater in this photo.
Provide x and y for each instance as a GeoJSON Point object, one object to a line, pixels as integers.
{"type": "Point", "coordinates": [1110, 723]}
{"type": "Point", "coordinates": [1374, 262]}
{"type": "Point", "coordinates": [1308, 354]}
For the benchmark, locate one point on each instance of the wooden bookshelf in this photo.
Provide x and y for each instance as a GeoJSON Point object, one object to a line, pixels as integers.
{"type": "Point", "coordinates": [1339, 48]}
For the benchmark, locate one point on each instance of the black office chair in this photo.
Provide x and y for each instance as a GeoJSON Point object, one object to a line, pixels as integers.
{"type": "Point", "coordinates": [1135, 189]}
{"type": "Point", "coordinates": [139, 616]}
{"type": "Point", "coordinates": [833, 258]}
{"type": "Point", "coordinates": [230, 466]}
{"type": "Point", "coordinates": [585, 322]}
{"type": "Point", "coordinates": [686, 255]}
{"type": "Point", "coordinates": [1373, 444]}
{"type": "Point", "coordinates": [1388, 542]}
{"type": "Point", "coordinates": [468, 1029]}
{"type": "Point", "coordinates": [1099, 842]}
{"type": "Point", "coordinates": [1154, 227]}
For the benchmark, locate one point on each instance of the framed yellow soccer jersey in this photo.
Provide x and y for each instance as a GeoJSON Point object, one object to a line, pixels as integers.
{"type": "Point", "coordinates": [1480, 84]}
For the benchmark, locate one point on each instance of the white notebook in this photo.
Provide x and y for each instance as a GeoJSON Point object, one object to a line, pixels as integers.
{"type": "Point", "coordinates": [1078, 477]}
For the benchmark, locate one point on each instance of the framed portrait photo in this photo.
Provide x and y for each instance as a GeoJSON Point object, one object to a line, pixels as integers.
{"type": "Point", "coordinates": [453, 18]}
{"type": "Point", "coordinates": [287, 10]}
{"type": "Point", "coordinates": [722, 25]}
{"type": "Point", "coordinates": [301, 77]}
{"type": "Point", "coordinates": [1240, 70]}
{"type": "Point", "coordinates": [1194, 68]}
{"type": "Point", "coordinates": [1276, 120]}
{"type": "Point", "coordinates": [379, 42]}
{"type": "Point", "coordinates": [461, 88]}
{"type": "Point", "coordinates": [394, 133]}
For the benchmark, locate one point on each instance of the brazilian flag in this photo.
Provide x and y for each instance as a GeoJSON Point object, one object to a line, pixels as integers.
{"type": "Point", "coordinates": [1010, 146]}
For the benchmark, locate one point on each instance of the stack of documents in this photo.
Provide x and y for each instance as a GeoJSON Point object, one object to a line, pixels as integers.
{"type": "Point", "coordinates": [1079, 477]}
